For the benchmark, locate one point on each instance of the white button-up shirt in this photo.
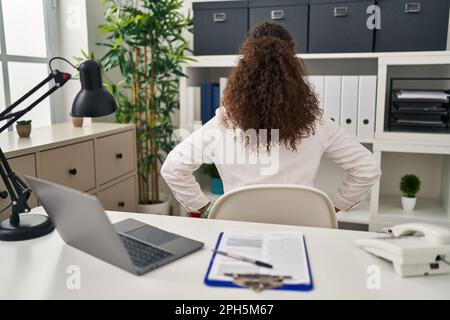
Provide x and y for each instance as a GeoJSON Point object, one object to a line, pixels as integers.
{"type": "Point", "coordinates": [239, 166]}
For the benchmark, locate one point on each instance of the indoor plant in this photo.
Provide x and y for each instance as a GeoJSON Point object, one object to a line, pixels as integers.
{"type": "Point", "coordinates": [215, 181]}
{"type": "Point", "coordinates": [23, 128]}
{"type": "Point", "coordinates": [145, 42]}
{"type": "Point", "coordinates": [410, 186]}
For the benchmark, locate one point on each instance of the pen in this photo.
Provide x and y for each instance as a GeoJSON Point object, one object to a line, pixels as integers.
{"type": "Point", "coordinates": [241, 258]}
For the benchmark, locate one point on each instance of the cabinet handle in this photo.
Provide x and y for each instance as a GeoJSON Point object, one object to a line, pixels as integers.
{"type": "Point", "coordinates": [219, 17]}
{"type": "Point", "coordinates": [340, 11]}
{"type": "Point", "coordinates": [4, 194]}
{"type": "Point", "coordinates": [73, 171]}
{"type": "Point", "coordinates": [121, 204]}
{"type": "Point", "coordinates": [277, 14]}
{"type": "Point", "coordinates": [119, 155]}
{"type": "Point", "coordinates": [366, 121]}
{"type": "Point", "coordinates": [348, 121]}
{"type": "Point", "coordinates": [412, 7]}
{"type": "Point", "coordinates": [332, 119]}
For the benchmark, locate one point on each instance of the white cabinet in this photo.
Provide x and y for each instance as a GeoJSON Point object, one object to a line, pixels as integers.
{"type": "Point", "coordinates": [98, 158]}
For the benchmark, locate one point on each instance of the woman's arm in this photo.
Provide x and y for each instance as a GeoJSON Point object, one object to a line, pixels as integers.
{"type": "Point", "coordinates": [179, 167]}
{"type": "Point", "coordinates": [362, 170]}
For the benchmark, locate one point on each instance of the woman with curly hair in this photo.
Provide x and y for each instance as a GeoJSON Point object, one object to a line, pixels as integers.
{"type": "Point", "coordinates": [269, 130]}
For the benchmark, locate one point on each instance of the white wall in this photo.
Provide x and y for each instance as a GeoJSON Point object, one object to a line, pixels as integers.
{"type": "Point", "coordinates": [95, 17]}
{"type": "Point", "coordinates": [72, 37]}
{"type": "Point", "coordinates": [77, 29]}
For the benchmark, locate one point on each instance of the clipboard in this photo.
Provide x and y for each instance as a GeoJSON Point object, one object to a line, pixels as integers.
{"type": "Point", "coordinates": [231, 284]}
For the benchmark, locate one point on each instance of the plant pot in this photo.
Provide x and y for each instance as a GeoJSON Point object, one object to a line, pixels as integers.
{"type": "Point", "coordinates": [77, 121]}
{"type": "Point", "coordinates": [162, 208]}
{"type": "Point", "coordinates": [216, 186]}
{"type": "Point", "coordinates": [23, 130]}
{"type": "Point", "coordinates": [408, 204]}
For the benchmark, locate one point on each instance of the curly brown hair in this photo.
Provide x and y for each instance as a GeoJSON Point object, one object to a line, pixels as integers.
{"type": "Point", "coordinates": [268, 89]}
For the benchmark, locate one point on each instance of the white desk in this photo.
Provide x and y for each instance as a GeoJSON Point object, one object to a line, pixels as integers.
{"type": "Point", "coordinates": [37, 269]}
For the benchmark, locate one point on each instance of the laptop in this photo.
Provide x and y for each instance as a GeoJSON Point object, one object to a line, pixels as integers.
{"type": "Point", "coordinates": [131, 245]}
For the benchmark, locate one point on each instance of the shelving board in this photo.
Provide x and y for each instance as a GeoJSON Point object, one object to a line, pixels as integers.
{"type": "Point", "coordinates": [386, 57]}
{"type": "Point", "coordinates": [391, 212]}
{"type": "Point", "coordinates": [441, 145]}
{"type": "Point", "coordinates": [211, 196]}
{"type": "Point", "coordinates": [360, 214]}
{"type": "Point", "coordinates": [426, 210]}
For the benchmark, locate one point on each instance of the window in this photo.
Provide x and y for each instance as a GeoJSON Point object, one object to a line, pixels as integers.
{"type": "Point", "coordinates": [24, 54]}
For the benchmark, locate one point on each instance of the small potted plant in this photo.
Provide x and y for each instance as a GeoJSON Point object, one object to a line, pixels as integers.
{"type": "Point", "coordinates": [23, 128]}
{"type": "Point", "coordinates": [216, 181]}
{"type": "Point", "coordinates": [410, 186]}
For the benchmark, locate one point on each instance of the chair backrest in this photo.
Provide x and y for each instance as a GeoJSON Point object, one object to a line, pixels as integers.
{"type": "Point", "coordinates": [278, 204]}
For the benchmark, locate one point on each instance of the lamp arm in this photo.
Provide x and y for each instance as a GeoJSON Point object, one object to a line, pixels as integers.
{"type": "Point", "coordinates": [16, 187]}
{"type": "Point", "coordinates": [5, 112]}
{"type": "Point", "coordinates": [17, 115]}
{"type": "Point", "coordinates": [18, 191]}
{"type": "Point", "coordinates": [60, 79]}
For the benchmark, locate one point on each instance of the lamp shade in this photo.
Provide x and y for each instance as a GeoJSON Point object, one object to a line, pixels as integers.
{"type": "Point", "coordinates": [93, 100]}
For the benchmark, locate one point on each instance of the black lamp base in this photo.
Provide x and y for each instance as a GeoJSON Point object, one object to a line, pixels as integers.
{"type": "Point", "coordinates": [30, 226]}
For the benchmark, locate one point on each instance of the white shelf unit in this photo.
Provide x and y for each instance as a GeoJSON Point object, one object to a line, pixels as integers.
{"type": "Point", "coordinates": [381, 208]}
{"type": "Point", "coordinates": [431, 163]}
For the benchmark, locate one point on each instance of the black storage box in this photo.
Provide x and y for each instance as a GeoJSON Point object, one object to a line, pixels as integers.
{"type": "Point", "coordinates": [339, 26]}
{"type": "Point", "coordinates": [292, 14]}
{"type": "Point", "coordinates": [412, 25]}
{"type": "Point", "coordinates": [219, 27]}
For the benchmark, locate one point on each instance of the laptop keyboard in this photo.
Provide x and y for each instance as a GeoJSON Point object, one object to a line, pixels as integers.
{"type": "Point", "coordinates": [151, 234]}
{"type": "Point", "coordinates": [142, 254]}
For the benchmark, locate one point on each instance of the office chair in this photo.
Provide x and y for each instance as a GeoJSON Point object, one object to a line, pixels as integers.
{"type": "Point", "coordinates": [278, 204]}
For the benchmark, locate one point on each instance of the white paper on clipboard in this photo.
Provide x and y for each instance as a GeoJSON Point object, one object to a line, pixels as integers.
{"type": "Point", "coordinates": [284, 250]}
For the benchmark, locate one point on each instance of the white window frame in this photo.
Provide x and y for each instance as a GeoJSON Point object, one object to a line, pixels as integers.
{"type": "Point", "coordinates": [51, 37]}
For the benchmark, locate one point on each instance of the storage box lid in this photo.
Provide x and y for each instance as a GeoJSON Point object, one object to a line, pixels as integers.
{"type": "Point", "coordinates": [276, 3]}
{"type": "Point", "coordinates": [340, 1]}
{"type": "Point", "coordinates": [213, 5]}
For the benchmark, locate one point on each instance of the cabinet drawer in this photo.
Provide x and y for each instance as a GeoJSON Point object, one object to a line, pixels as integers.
{"type": "Point", "coordinates": [412, 25]}
{"type": "Point", "coordinates": [219, 27]}
{"type": "Point", "coordinates": [71, 166]}
{"type": "Point", "coordinates": [120, 197]}
{"type": "Point", "coordinates": [115, 156]}
{"type": "Point", "coordinates": [339, 26]}
{"type": "Point", "coordinates": [23, 166]}
{"type": "Point", "coordinates": [291, 14]}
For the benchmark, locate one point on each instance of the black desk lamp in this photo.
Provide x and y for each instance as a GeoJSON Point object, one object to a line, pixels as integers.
{"type": "Point", "coordinates": [93, 100]}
